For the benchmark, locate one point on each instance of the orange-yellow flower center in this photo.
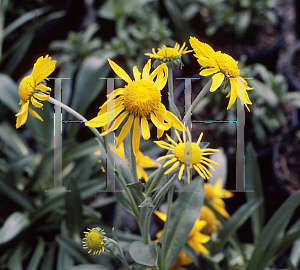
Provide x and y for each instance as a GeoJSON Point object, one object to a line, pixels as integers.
{"type": "Point", "coordinates": [188, 153]}
{"type": "Point", "coordinates": [227, 65]}
{"type": "Point", "coordinates": [26, 88]}
{"type": "Point", "coordinates": [168, 53]}
{"type": "Point", "coordinates": [94, 240]}
{"type": "Point", "coordinates": [141, 97]}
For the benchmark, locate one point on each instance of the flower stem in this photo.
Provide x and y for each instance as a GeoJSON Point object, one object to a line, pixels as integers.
{"type": "Point", "coordinates": [122, 258]}
{"type": "Point", "coordinates": [170, 82]}
{"type": "Point", "coordinates": [164, 189]}
{"type": "Point", "coordinates": [109, 153]}
{"type": "Point", "coordinates": [200, 96]}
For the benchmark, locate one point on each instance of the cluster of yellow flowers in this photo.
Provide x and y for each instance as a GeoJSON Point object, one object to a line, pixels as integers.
{"type": "Point", "coordinates": [139, 102]}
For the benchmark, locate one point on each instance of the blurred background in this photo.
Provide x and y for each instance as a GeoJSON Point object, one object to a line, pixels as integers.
{"type": "Point", "coordinates": [43, 231]}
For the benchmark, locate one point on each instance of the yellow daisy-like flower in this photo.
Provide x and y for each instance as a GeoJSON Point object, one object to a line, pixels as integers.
{"type": "Point", "coordinates": [210, 218]}
{"type": "Point", "coordinates": [188, 155]}
{"type": "Point", "coordinates": [195, 238]}
{"type": "Point", "coordinates": [94, 240]}
{"type": "Point", "coordinates": [214, 194]}
{"type": "Point", "coordinates": [30, 87]}
{"type": "Point", "coordinates": [140, 100]}
{"type": "Point", "coordinates": [223, 67]}
{"type": "Point", "coordinates": [169, 55]}
{"type": "Point", "coordinates": [141, 162]}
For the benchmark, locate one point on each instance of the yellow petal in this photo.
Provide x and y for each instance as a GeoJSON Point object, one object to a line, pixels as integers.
{"type": "Point", "coordinates": [217, 80]}
{"type": "Point", "coordinates": [170, 161]}
{"type": "Point", "coordinates": [170, 117]}
{"type": "Point", "coordinates": [145, 128]}
{"type": "Point", "coordinates": [181, 171]}
{"type": "Point", "coordinates": [136, 73]}
{"type": "Point", "coordinates": [161, 215]}
{"type": "Point", "coordinates": [33, 113]}
{"type": "Point", "coordinates": [158, 124]}
{"type": "Point", "coordinates": [41, 97]}
{"type": "Point", "coordinates": [116, 124]}
{"type": "Point", "coordinates": [166, 156]}
{"type": "Point", "coordinates": [24, 109]}
{"type": "Point", "coordinates": [42, 68]}
{"type": "Point", "coordinates": [136, 136]}
{"type": "Point", "coordinates": [173, 167]}
{"type": "Point", "coordinates": [125, 129]}
{"type": "Point", "coordinates": [22, 115]}
{"type": "Point", "coordinates": [208, 71]}
{"type": "Point", "coordinates": [119, 71]}
{"type": "Point", "coordinates": [233, 93]}
{"type": "Point", "coordinates": [36, 103]}
{"type": "Point", "coordinates": [146, 70]}
{"type": "Point", "coordinates": [43, 88]}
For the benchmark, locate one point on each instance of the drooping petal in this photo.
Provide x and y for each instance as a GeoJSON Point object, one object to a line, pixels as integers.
{"type": "Point", "coordinates": [24, 109]}
{"type": "Point", "coordinates": [35, 102]}
{"type": "Point", "coordinates": [181, 171]}
{"type": "Point", "coordinates": [158, 124]}
{"type": "Point", "coordinates": [43, 88]}
{"type": "Point", "coordinates": [173, 167]}
{"type": "Point", "coordinates": [170, 117]}
{"type": "Point", "coordinates": [40, 96]}
{"type": "Point", "coordinates": [233, 93]}
{"type": "Point", "coordinates": [136, 136]}
{"type": "Point", "coordinates": [170, 161]}
{"type": "Point", "coordinates": [119, 71]}
{"type": "Point", "coordinates": [145, 128]}
{"type": "Point", "coordinates": [116, 124]}
{"type": "Point", "coordinates": [22, 115]}
{"type": "Point", "coordinates": [125, 129]}
{"type": "Point", "coordinates": [217, 80]}
{"type": "Point", "coordinates": [33, 113]}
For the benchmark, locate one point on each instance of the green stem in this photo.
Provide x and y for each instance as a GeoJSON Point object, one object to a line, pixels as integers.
{"type": "Point", "coordinates": [146, 228]}
{"type": "Point", "coordinates": [120, 251]}
{"type": "Point", "coordinates": [3, 5]}
{"type": "Point", "coordinates": [171, 92]}
{"type": "Point", "coordinates": [133, 158]}
{"type": "Point", "coordinates": [109, 153]}
{"type": "Point", "coordinates": [200, 96]}
{"type": "Point", "coordinates": [164, 189]}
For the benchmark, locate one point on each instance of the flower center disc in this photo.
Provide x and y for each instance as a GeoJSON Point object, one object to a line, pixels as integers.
{"type": "Point", "coordinates": [94, 240]}
{"type": "Point", "coordinates": [227, 64]}
{"type": "Point", "coordinates": [188, 153]}
{"type": "Point", "coordinates": [26, 88]}
{"type": "Point", "coordinates": [141, 97]}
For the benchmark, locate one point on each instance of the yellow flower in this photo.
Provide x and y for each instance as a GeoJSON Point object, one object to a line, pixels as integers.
{"type": "Point", "coordinates": [169, 55]}
{"type": "Point", "coordinates": [94, 240]}
{"type": "Point", "coordinates": [195, 238]}
{"type": "Point", "coordinates": [214, 194]}
{"type": "Point", "coordinates": [223, 67]}
{"type": "Point", "coordinates": [188, 155]}
{"type": "Point", "coordinates": [30, 87]}
{"type": "Point", "coordinates": [210, 218]}
{"type": "Point", "coordinates": [141, 162]}
{"type": "Point", "coordinates": [181, 260]}
{"type": "Point", "coordinates": [140, 100]}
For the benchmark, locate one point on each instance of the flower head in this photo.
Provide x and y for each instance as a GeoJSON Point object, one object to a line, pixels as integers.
{"type": "Point", "coordinates": [30, 88]}
{"type": "Point", "coordinates": [169, 55]}
{"type": "Point", "coordinates": [187, 155]}
{"type": "Point", "coordinates": [195, 238]}
{"type": "Point", "coordinates": [210, 218]}
{"type": "Point", "coordinates": [223, 67]}
{"type": "Point", "coordinates": [141, 162]}
{"type": "Point", "coordinates": [214, 194]}
{"type": "Point", "coordinates": [95, 240]}
{"type": "Point", "coordinates": [140, 101]}
{"type": "Point", "coordinates": [181, 260]}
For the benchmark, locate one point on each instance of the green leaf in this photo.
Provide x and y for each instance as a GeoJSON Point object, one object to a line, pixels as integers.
{"type": "Point", "coordinates": [48, 261]}
{"type": "Point", "coordinates": [236, 220]}
{"type": "Point", "coordinates": [12, 226]}
{"type": "Point", "coordinates": [16, 195]}
{"type": "Point", "coordinates": [295, 254]}
{"type": "Point", "coordinates": [253, 182]}
{"type": "Point", "coordinates": [144, 254]}
{"type": "Point", "coordinates": [74, 216]}
{"type": "Point", "coordinates": [138, 187]}
{"type": "Point", "coordinates": [75, 250]}
{"type": "Point", "coordinates": [9, 93]}
{"type": "Point", "coordinates": [37, 255]}
{"type": "Point", "coordinates": [184, 213]}
{"type": "Point", "coordinates": [147, 203]}
{"type": "Point", "coordinates": [173, 108]}
{"type": "Point", "coordinates": [269, 236]}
